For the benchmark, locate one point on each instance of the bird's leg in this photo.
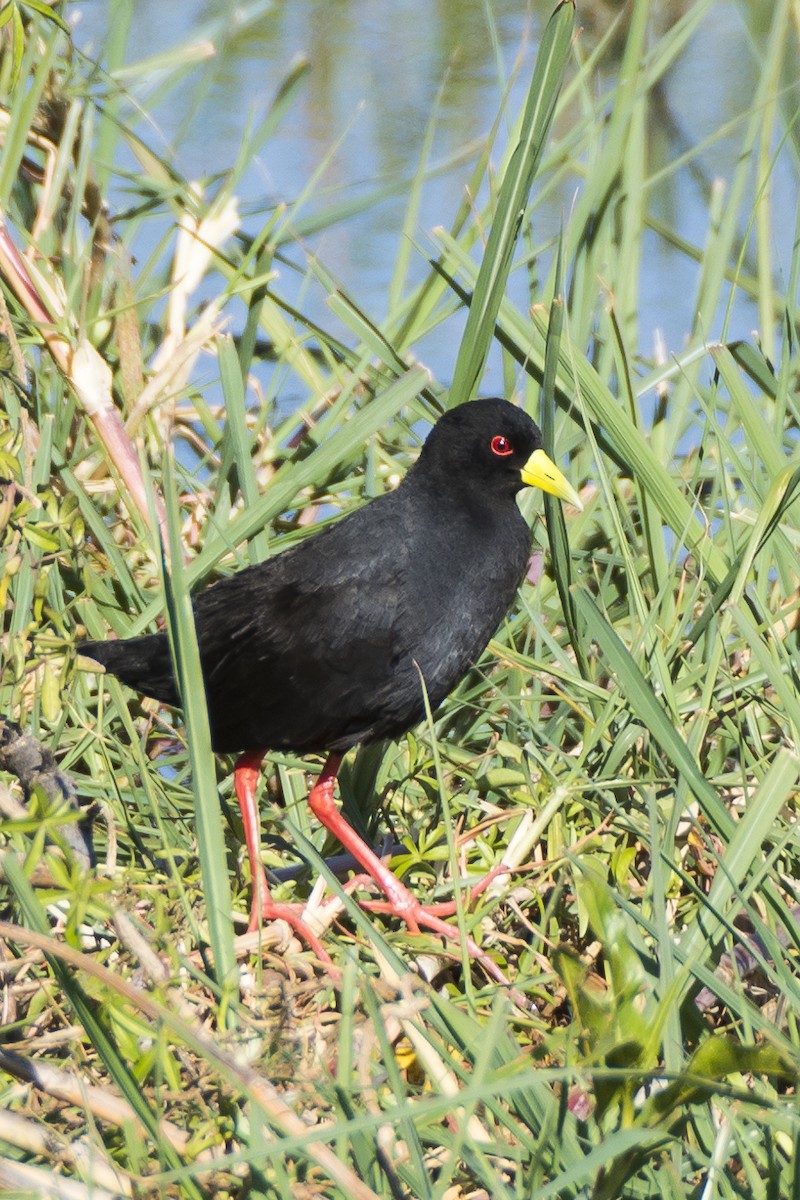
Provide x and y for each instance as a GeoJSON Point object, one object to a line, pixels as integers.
{"type": "Point", "coordinates": [323, 806]}
{"type": "Point", "coordinates": [263, 907]}
{"type": "Point", "coordinates": [401, 903]}
{"type": "Point", "coordinates": [245, 780]}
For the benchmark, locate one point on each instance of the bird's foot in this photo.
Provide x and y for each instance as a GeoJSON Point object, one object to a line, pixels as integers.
{"type": "Point", "coordinates": [264, 908]}
{"type": "Point", "coordinates": [417, 916]}
{"type": "Point", "coordinates": [399, 901]}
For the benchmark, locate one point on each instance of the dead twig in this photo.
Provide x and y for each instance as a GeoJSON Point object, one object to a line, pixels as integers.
{"type": "Point", "coordinates": [34, 766]}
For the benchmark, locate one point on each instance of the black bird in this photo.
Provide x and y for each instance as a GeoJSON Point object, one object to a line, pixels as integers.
{"type": "Point", "coordinates": [324, 646]}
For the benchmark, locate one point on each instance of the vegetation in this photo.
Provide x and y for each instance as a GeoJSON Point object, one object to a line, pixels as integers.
{"type": "Point", "coordinates": [627, 748]}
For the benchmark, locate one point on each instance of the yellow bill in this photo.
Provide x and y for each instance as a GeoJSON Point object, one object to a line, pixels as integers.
{"type": "Point", "coordinates": [540, 471]}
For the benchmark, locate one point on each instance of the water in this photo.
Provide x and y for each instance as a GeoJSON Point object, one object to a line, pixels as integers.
{"type": "Point", "coordinates": [375, 70]}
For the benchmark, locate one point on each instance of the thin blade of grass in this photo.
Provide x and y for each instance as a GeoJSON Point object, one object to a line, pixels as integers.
{"type": "Point", "coordinates": [511, 202]}
{"type": "Point", "coordinates": [750, 831]}
{"type": "Point", "coordinates": [647, 708]}
{"type": "Point", "coordinates": [560, 556]}
{"type": "Point", "coordinates": [189, 676]}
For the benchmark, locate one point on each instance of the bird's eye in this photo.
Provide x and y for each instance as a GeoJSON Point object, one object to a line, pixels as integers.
{"type": "Point", "coordinates": [501, 446]}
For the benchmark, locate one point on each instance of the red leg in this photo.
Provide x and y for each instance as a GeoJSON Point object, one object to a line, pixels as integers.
{"type": "Point", "coordinates": [245, 780]}
{"type": "Point", "coordinates": [401, 903]}
{"type": "Point", "coordinates": [263, 907]}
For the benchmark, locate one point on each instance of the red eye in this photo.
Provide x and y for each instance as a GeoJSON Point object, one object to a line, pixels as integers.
{"type": "Point", "coordinates": [501, 446]}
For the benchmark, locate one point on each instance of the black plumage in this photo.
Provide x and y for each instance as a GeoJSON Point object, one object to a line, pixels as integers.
{"type": "Point", "coordinates": [321, 647]}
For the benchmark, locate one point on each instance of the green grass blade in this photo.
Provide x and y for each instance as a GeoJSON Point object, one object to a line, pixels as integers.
{"type": "Point", "coordinates": [647, 709]}
{"type": "Point", "coordinates": [511, 203]}
{"type": "Point", "coordinates": [186, 659]}
{"type": "Point", "coordinates": [752, 829]}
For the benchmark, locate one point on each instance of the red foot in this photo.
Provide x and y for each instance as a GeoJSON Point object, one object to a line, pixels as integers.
{"type": "Point", "coordinates": [399, 901]}
{"type": "Point", "coordinates": [266, 909]}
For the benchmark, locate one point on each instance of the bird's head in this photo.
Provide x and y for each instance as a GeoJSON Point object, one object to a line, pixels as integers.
{"type": "Point", "coordinates": [494, 447]}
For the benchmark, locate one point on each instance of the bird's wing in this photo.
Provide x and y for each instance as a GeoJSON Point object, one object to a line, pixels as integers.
{"type": "Point", "coordinates": [303, 649]}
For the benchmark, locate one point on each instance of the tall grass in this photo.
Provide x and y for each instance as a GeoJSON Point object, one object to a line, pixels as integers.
{"type": "Point", "coordinates": [627, 746]}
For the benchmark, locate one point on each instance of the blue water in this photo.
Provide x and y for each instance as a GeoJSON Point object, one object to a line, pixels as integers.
{"type": "Point", "coordinates": [375, 70]}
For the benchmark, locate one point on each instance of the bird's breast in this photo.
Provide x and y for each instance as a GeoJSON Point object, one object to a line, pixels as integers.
{"type": "Point", "coordinates": [461, 587]}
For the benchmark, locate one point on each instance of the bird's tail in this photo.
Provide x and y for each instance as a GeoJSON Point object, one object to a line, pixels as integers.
{"type": "Point", "coordinates": [143, 663]}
